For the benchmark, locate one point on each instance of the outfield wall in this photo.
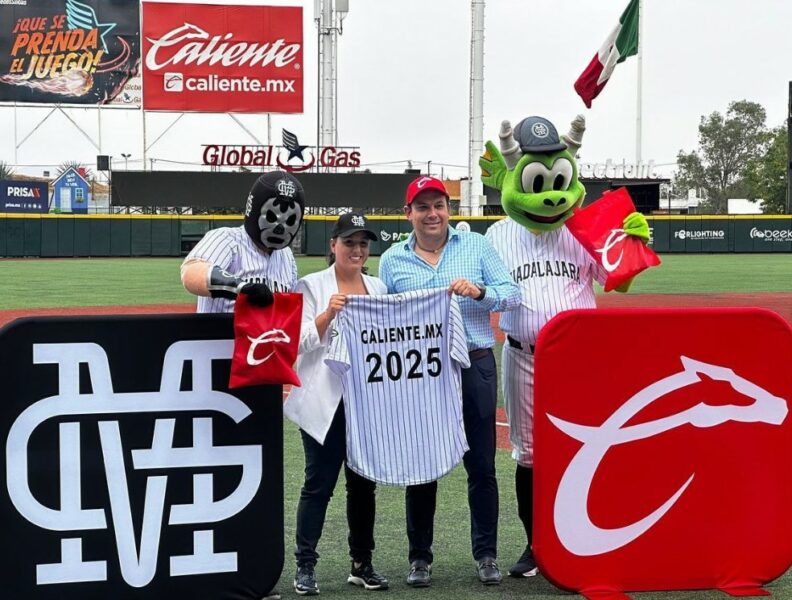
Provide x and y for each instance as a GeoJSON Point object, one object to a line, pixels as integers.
{"type": "Point", "coordinates": [31, 235]}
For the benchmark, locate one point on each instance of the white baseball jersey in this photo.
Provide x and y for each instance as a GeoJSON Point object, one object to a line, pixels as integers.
{"type": "Point", "coordinates": [400, 357]}
{"type": "Point", "coordinates": [555, 273]}
{"type": "Point", "coordinates": [232, 249]}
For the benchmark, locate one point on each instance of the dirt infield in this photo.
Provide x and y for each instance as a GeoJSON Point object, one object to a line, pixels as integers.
{"type": "Point", "coordinates": [778, 302]}
{"type": "Point", "coordinates": [9, 315]}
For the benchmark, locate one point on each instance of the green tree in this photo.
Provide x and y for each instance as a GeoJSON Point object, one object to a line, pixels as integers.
{"type": "Point", "coordinates": [726, 146]}
{"type": "Point", "coordinates": [766, 176]}
{"type": "Point", "coordinates": [6, 170]}
{"type": "Point", "coordinates": [77, 165]}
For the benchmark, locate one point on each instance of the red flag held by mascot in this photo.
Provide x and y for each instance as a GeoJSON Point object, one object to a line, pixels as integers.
{"type": "Point", "coordinates": [266, 341]}
{"type": "Point", "coordinates": [599, 228]}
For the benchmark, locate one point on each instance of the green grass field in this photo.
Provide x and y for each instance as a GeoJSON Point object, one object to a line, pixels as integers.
{"type": "Point", "coordinates": [45, 283]}
{"type": "Point", "coordinates": [41, 283]}
{"type": "Point", "coordinates": [453, 576]}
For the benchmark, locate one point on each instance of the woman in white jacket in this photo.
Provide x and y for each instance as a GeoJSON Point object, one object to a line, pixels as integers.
{"type": "Point", "coordinates": [317, 408]}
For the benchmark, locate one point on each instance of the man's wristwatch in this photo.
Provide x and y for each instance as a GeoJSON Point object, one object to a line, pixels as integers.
{"type": "Point", "coordinates": [483, 292]}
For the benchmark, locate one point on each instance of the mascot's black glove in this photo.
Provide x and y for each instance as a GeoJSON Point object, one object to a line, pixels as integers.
{"type": "Point", "coordinates": [223, 284]}
{"type": "Point", "coordinates": [258, 294]}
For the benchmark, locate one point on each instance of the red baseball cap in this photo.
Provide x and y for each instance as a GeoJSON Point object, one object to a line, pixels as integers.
{"type": "Point", "coordinates": [423, 184]}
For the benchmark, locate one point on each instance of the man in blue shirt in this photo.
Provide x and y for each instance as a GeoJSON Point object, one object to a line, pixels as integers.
{"type": "Point", "coordinates": [437, 255]}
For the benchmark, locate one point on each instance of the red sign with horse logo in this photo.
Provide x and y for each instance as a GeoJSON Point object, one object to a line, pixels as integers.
{"type": "Point", "coordinates": [662, 445]}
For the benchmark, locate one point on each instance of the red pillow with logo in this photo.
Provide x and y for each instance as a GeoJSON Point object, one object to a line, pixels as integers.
{"type": "Point", "coordinates": [266, 340]}
{"type": "Point", "coordinates": [598, 227]}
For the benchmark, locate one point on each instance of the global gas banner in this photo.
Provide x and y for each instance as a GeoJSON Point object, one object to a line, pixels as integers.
{"type": "Point", "coordinates": [215, 58]}
{"type": "Point", "coordinates": [70, 51]}
{"type": "Point", "coordinates": [665, 468]}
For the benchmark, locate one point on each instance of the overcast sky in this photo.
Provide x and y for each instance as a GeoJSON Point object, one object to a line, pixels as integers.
{"type": "Point", "coordinates": [404, 83]}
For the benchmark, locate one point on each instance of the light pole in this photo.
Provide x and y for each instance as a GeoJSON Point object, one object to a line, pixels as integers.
{"type": "Point", "coordinates": [126, 160]}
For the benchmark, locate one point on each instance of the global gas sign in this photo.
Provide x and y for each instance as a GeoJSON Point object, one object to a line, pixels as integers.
{"type": "Point", "coordinates": [291, 156]}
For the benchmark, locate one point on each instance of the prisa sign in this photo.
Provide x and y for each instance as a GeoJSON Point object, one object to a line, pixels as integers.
{"type": "Point", "coordinates": [210, 58]}
{"type": "Point", "coordinates": [291, 157]}
{"type": "Point", "coordinates": [672, 474]}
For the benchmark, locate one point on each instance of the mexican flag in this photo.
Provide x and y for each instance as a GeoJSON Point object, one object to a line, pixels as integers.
{"type": "Point", "coordinates": [621, 43]}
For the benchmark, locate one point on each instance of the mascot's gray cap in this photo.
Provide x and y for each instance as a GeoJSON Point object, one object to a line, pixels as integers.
{"type": "Point", "coordinates": [537, 134]}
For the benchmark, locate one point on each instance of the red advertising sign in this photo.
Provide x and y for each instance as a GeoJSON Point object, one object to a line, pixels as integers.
{"type": "Point", "coordinates": [216, 58]}
{"type": "Point", "coordinates": [662, 445]}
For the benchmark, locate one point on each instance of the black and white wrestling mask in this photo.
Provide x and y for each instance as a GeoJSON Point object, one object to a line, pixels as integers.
{"type": "Point", "coordinates": [274, 210]}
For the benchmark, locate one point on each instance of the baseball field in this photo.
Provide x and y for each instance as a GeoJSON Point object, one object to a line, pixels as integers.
{"type": "Point", "coordinates": [101, 286]}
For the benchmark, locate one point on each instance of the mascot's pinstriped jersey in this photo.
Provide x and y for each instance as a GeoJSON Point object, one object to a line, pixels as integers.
{"type": "Point", "coordinates": [399, 356]}
{"type": "Point", "coordinates": [554, 272]}
{"type": "Point", "coordinates": [537, 175]}
{"type": "Point", "coordinates": [233, 250]}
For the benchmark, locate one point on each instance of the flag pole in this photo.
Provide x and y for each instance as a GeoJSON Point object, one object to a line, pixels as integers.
{"type": "Point", "coordinates": [639, 88]}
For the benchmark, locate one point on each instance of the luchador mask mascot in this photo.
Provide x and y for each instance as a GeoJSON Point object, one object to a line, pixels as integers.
{"type": "Point", "coordinates": [231, 260]}
{"type": "Point", "coordinates": [274, 210]}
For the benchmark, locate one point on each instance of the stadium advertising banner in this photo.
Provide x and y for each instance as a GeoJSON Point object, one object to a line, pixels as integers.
{"type": "Point", "coordinates": [24, 196]}
{"type": "Point", "coordinates": [70, 52]}
{"type": "Point", "coordinates": [671, 470]}
{"type": "Point", "coordinates": [130, 469]}
{"type": "Point", "coordinates": [216, 58]}
{"type": "Point", "coordinates": [292, 156]}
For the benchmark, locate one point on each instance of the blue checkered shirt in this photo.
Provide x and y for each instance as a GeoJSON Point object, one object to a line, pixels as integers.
{"type": "Point", "coordinates": [467, 255]}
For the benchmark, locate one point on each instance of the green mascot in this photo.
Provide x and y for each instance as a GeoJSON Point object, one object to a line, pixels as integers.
{"type": "Point", "coordinates": [536, 172]}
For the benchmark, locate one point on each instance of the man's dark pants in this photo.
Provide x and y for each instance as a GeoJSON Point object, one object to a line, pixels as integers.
{"type": "Point", "coordinates": [479, 399]}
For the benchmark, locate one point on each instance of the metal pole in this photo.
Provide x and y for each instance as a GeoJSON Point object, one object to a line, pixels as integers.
{"type": "Point", "coordinates": [99, 123]}
{"type": "Point", "coordinates": [639, 88]}
{"type": "Point", "coordinates": [16, 144]}
{"type": "Point", "coordinates": [789, 154]}
{"type": "Point", "coordinates": [142, 97]}
{"type": "Point", "coordinates": [318, 19]}
{"type": "Point", "coordinates": [475, 187]}
{"type": "Point", "coordinates": [143, 114]}
{"type": "Point", "coordinates": [269, 130]}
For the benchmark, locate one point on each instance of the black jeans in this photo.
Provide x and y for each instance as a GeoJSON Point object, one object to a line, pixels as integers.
{"type": "Point", "coordinates": [322, 466]}
{"type": "Point", "coordinates": [479, 398]}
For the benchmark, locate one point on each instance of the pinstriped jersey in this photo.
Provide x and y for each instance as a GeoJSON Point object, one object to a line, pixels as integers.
{"type": "Point", "coordinates": [553, 270]}
{"type": "Point", "coordinates": [232, 249]}
{"type": "Point", "coordinates": [399, 357]}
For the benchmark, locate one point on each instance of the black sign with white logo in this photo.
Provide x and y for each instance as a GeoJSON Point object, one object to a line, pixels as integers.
{"type": "Point", "coordinates": [131, 470]}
